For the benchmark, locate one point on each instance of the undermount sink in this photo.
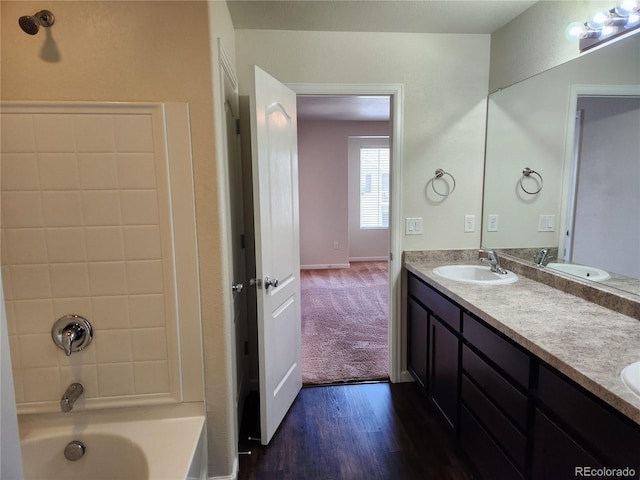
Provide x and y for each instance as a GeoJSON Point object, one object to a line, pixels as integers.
{"type": "Point", "coordinates": [631, 377]}
{"type": "Point", "coordinates": [582, 271]}
{"type": "Point", "coordinates": [477, 274]}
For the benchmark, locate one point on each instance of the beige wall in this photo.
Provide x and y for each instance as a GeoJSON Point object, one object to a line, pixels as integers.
{"type": "Point", "coordinates": [445, 80]}
{"type": "Point", "coordinates": [534, 41]}
{"type": "Point", "coordinates": [129, 52]}
{"type": "Point", "coordinates": [323, 175]}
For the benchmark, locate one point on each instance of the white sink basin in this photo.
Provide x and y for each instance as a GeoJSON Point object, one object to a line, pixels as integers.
{"type": "Point", "coordinates": [582, 271]}
{"type": "Point", "coordinates": [631, 377]}
{"type": "Point", "coordinates": [478, 274]}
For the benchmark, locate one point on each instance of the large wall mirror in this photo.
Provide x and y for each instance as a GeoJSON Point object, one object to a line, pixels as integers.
{"type": "Point", "coordinates": [562, 168]}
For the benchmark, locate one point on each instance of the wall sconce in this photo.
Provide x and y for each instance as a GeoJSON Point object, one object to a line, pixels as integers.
{"type": "Point", "coordinates": [605, 25]}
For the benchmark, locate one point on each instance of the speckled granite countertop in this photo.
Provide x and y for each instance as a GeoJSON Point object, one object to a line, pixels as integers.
{"type": "Point", "coordinates": [589, 343]}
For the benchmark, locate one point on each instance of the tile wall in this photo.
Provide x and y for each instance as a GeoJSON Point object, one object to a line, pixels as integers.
{"type": "Point", "coordinates": [86, 230]}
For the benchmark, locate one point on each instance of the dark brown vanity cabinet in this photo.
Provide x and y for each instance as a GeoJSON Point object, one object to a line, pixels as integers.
{"type": "Point", "coordinates": [433, 325]}
{"type": "Point", "coordinates": [514, 415]}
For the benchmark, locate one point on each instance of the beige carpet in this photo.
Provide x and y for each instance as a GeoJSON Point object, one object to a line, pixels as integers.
{"type": "Point", "coordinates": [344, 324]}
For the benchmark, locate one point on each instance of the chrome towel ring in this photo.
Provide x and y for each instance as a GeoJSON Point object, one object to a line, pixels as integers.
{"type": "Point", "coordinates": [439, 174]}
{"type": "Point", "coordinates": [527, 172]}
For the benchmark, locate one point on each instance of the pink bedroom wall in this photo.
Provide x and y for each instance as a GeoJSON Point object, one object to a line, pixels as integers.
{"type": "Point", "coordinates": [323, 173]}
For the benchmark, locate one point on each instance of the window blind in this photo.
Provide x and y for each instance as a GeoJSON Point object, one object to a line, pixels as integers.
{"type": "Point", "coordinates": [374, 187]}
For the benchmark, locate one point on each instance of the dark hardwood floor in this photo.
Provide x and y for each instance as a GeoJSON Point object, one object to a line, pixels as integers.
{"type": "Point", "coordinates": [359, 432]}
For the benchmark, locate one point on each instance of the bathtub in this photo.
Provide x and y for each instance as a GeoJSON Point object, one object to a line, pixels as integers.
{"type": "Point", "coordinates": [153, 443]}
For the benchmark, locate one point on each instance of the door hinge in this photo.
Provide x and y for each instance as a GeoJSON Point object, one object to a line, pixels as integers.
{"type": "Point", "coordinates": [237, 126]}
{"type": "Point", "coordinates": [246, 348]}
{"type": "Point", "coordinates": [242, 240]}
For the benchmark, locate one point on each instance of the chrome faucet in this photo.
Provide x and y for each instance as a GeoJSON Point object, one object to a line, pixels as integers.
{"type": "Point", "coordinates": [491, 258]}
{"type": "Point", "coordinates": [72, 333]}
{"type": "Point", "coordinates": [70, 396]}
{"type": "Point", "coordinates": [543, 258]}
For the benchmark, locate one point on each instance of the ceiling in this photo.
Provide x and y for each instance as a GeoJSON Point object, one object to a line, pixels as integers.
{"type": "Point", "coordinates": [403, 16]}
{"type": "Point", "coordinates": [406, 16]}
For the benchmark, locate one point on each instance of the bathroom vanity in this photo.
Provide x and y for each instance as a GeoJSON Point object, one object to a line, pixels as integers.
{"type": "Point", "coordinates": [525, 376]}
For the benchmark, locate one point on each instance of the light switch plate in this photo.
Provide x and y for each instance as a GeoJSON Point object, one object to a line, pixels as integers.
{"type": "Point", "coordinates": [492, 223]}
{"type": "Point", "coordinates": [469, 223]}
{"type": "Point", "coordinates": [546, 223]}
{"type": "Point", "coordinates": [413, 226]}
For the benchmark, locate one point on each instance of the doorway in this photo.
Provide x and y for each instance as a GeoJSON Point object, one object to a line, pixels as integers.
{"type": "Point", "coordinates": [605, 190]}
{"type": "Point", "coordinates": [345, 202]}
{"type": "Point", "coordinates": [602, 172]}
{"type": "Point", "coordinates": [394, 93]}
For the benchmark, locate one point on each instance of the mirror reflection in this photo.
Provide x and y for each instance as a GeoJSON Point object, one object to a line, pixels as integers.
{"type": "Point", "coordinates": [574, 128]}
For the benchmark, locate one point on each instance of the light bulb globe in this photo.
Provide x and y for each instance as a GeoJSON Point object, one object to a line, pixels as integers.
{"type": "Point", "coordinates": [633, 19]}
{"type": "Point", "coordinates": [599, 20]}
{"type": "Point", "coordinates": [575, 31]}
{"type": "Point", "coordinates": [626, 8]}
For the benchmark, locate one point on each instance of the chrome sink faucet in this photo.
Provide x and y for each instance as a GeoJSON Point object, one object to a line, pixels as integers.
{"type": "Point", "coordinates": [491, 258]}
{"type": "Point", "coordinates": [543, 258]}
{"type": "Point", "coordinates": [70, 396]}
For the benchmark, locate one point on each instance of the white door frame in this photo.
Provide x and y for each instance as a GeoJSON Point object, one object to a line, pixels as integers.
{"type": "Point", "coordinates": [567, 210]}
{"type": "Point", "coordinates": [396, 92]}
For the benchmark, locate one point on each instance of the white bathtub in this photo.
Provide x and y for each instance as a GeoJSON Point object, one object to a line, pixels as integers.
{"type": "Point", "coordinates": [154, 443]}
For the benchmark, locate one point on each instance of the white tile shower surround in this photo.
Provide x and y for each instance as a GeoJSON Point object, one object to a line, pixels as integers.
{"type": "Point", "coordinates": [86, 229]}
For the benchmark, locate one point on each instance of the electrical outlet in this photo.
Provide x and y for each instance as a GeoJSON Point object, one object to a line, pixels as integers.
{"type": "Point", "coordinates": [336, 245]}
{"type": "Point", "coordinates": [492, 223]}
{"type": "Point", "coordinates": [469, 223]}
{"type": "Point", "coordinates": [413, 226]}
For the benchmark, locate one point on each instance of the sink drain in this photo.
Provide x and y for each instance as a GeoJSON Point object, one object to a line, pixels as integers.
{"type": "Point", "coordinates": [74, 450]}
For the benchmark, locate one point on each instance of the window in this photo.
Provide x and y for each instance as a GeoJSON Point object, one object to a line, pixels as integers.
{"type": "Point", "coordinates": [374, 187]}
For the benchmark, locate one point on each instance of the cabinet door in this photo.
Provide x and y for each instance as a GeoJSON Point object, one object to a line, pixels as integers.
{"type": "Point", "coordinates": [443, 370]}
{"type": "Point", "coordinates": [556, 454]}
{"type": "Point", "coordinates": [417, 330]}
{"type": "Point", "coordinates": [609, 436]}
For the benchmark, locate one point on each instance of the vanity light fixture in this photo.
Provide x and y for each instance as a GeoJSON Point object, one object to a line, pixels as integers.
{"type": "Point", "coordinates": [605, 25]}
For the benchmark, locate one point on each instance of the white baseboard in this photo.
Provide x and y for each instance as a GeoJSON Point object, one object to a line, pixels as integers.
{"type": "Point", "coordinates": [369, 259]}
{"type": "Point", "coordinates": [405, 377]}
{"type": "Point", "coordinates": [234, 472]}
{"type": "Point", "coordinates": [325, 266]}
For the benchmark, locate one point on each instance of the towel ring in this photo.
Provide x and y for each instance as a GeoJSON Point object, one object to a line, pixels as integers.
{"type": "Point", "coordinates": [527, 172]}
{"type": "Point", "coordinates": [439, 174]}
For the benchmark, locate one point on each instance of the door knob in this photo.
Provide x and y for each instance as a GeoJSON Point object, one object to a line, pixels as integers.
{"type": "Point", "coordinates": [237, 288]}
{"type": "Point", "coordinates": [270, 282]}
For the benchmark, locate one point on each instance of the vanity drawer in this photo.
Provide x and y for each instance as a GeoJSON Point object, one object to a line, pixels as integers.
{"type": "Point", "coordinates": [501, 351]}
{"type": "Point", "coordinates": [447, 311]}
{"type": "Point", "coordinates": [507, 435]}
{"type": "Point", "coordinates": [617, 440]}
{"type": "Point", "coordinates": [501, 392]}
{"type": "Point", "coordinates": [486, 456]}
